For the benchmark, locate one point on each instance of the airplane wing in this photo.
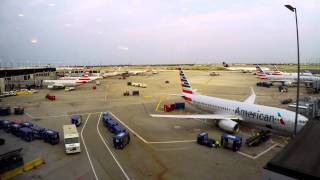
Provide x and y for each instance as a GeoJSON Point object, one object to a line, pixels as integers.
{"type": "Point", "coordinates": [200, 116]}
{"type": "Point", "coordinates": [252, 98]}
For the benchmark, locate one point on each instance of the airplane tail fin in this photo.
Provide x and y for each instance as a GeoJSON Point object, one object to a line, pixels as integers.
{"type": "Point", "coordinates": [260, 73]}
{"type": "Point", "coordinates": [276, 71]}
{"type": "Point", "coordinates": [186, 87]}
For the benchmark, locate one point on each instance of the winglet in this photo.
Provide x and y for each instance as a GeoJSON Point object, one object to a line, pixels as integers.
{"type": "Point", "coordinates": [252, 98]}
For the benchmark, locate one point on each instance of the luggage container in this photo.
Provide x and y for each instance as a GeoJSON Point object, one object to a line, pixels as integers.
{"type": "Point", "coordinates": [172, 107]}
{"type": "Point", "coordinates": [2, 123]}
{"type": "Point", "coordinates": [180, 105]}
{"type": "Point", "coordinates": [110, 123]}
{"type": "Point", "coordinates": [229, 141]}
{"type": "Point", "coordinates": [76, 119]}
{"type": "Point", "coordinates": [117, 129]}
{"type": "Point", "coordinates": [38, 132]}
{"type": "Point", "coordinates": [26, 124]}
{"type": "Point", "coordinates": [51, 136]}
{"type": "Point", "coordinates": [166, 108]}
{"type": "Point", "coordinates": [51, 97]}
{"type": "Point", "coordinates": [6, 125]}
{"type": "Point", "coordinates": [135, 93]}
{"type": "Point", "coordinates": [121, 140]}
{"type": "Point", "coordinates": [203, 139]}
{"type": "Point", "coordinates": [18, 110]}
{"type": "Point", "coordinates": [26, 134]}
{"type": "Point", "coordinates": [14, 129]}
{"type": "Point", "coordinates": [5, 110]}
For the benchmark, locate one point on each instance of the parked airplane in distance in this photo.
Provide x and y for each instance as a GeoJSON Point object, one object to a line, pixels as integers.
{"type": "Point", "coordinates": [59, 84]}
{"type": "Point", "coordinates": [245, 69]}
{"type": "Point", "coordinates": [287, 78]}
{"type": "Point", "coordinates": [274, 71]}
{"type": "Point", "coordinates": [228, 113]}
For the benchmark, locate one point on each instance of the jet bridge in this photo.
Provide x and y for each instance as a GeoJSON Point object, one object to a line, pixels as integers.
{"type": "Point", "coordinates": [310, 107]}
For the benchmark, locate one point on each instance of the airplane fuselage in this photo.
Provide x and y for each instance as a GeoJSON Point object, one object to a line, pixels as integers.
{"type": "Point", "coordinates": [269, 117]}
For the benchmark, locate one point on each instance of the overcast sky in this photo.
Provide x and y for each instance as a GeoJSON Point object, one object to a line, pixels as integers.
{"type": "Point", "coordinates": [156, 32]}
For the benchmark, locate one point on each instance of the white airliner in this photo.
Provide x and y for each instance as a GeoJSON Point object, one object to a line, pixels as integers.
{"type": "Point", "coordinates": [287, 78]}
{"type": "Point", "coordinates": [274, 71]}
{"type": "Point", "coordinates": [58, 84]}
{"type": "Point", "coordinates": [228, 113]}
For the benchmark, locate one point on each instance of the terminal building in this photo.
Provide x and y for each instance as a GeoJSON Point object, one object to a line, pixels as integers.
{"type": "Point", "coordinates": [30, 77]}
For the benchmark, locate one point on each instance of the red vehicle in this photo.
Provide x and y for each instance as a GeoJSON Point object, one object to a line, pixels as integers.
{"type": "Point", "coordinates": [51, 97]}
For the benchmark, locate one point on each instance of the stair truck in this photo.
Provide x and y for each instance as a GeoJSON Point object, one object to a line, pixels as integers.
{"type": "Point", "coordinates": [71, 139]}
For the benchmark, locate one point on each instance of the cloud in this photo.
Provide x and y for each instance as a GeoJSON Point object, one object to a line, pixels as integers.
{"type": "Point", "coordinates": [123, 48]}
{"type": "Point", "coordinates": [34, 40]}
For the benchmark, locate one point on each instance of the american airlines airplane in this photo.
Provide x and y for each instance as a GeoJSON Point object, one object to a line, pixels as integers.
{"type": "Point", "coordinates": [287, 78]}
{"type": "Point", "coordinates": [58, 84]}
{"type": "Point", "coordinates": [228, 113]}
{"type": "Point", "coordinates": [261, 72]}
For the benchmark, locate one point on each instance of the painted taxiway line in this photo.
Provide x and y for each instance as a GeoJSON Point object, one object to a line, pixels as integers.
{"type": "Point", "coordinates": [136, 134]}
{"type": "Point", "coordinates": [104, 142]}
{"type": "Point", "coordinates": [171, 142]}
{"type": "Point", "coordinates": [64, 115]}
{"type": "Point", "coordinates": [145, 141]}
{"type": "Point", "coordinates": [85, 147]}
{"type": "Point", "coordinates": [260, 154]}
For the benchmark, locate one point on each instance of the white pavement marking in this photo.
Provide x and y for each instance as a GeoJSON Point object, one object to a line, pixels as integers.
{"type": "Point", "coordinates": [170, 142]}
{"type": "Point", "coordinates": [94, 172]}
{"type": "Point", "coordinates": [262, 153]}
{"type": "Point", "coordinates": [29, 115]}
{"type": "Point", "coordinates": [142, 139]}
{"type": "Point", "coordinates": [145, 141]}
{"type": "Point", "coordinates": [64, 115]}
{"type": "Point", "coordinates": [104, 142]}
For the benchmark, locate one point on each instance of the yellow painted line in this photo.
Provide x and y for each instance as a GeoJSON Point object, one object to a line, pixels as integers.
{"type": "Point", "coordinates": [157, 108]}
{"type": "Point", "coordinates": [12, 173]}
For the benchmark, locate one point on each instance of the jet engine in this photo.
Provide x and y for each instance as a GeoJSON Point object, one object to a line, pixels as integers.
{"type": "Point", "coordinates": [228, 125]}
{"type": "Point", "coordinates": [287, 83]}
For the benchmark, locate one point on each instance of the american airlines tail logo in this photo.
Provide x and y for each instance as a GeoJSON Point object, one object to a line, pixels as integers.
{"type": "Point", "coordinates": [281, 121]}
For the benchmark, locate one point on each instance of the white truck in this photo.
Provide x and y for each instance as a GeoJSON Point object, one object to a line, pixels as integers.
{"type": "Point", "coordinates": [71, 139]}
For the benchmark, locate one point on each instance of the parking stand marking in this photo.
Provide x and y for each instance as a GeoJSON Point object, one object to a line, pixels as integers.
{"type": "Point", "coordinates": [104, 142]}
{"type": "Point", "coordinates": [85, 147]}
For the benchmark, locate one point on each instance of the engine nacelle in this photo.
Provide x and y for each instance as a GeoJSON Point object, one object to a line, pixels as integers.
{"type": "Point", "coordinates": [287, 83]}
{"type": "Point", "coordinates": [228, 125]}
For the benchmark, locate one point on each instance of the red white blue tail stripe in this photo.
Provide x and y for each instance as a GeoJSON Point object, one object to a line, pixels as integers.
{"type": "Point", "coordinates": [186, 87]}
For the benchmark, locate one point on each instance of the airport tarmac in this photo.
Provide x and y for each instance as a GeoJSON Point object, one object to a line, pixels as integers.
{"type": "Point", "coordinates": [160, 148]}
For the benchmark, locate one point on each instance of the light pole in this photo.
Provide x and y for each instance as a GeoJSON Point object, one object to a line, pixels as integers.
{"type": "Point", "coordinates": [298, 81]}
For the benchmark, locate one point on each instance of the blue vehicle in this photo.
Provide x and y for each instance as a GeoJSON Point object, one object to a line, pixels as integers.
{"type": "Point", "coordinates": [76, 120]}
{"type": "Point", "coordinates": [2, 122]}
{"type": "Point", "coordinates": [6, 125]}
{"type": "Point", "coordinates": [38, 132]}
{"type": "Point", "coordinates": [230, 141]}
{"type": "Point", "coordinates": [117, 129]}
{"type": "Point", "coordinates": [26, 124]}
{"type": "Point", "coordinates": [121, 140]}
{"type": "Point", "coordinates": [51, 136]}
{"type": "Point", "coordinates": [15, 129]}
{"type": "Point", "coordinates": [26, 134]}
{"type": "Point", "coordinates": [203, 139]}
